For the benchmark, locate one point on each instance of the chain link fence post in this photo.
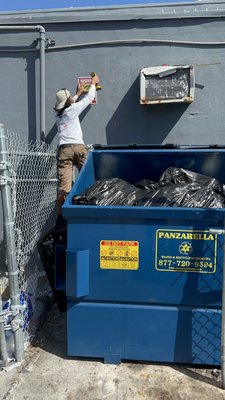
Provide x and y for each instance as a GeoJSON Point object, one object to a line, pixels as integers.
{"type": "Point", "coordinates": [3, 345]}
{"type": "Point", "coordinates": [8, 224]}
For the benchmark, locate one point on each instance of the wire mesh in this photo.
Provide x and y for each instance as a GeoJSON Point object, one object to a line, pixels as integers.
{"type": "Point", "coordinates": [34, 186]}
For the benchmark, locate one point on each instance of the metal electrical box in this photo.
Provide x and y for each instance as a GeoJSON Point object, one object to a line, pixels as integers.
{"type": "Point", "coordinates": [167, 84]}
{"type": "Point", "coordinates": [158, 302]}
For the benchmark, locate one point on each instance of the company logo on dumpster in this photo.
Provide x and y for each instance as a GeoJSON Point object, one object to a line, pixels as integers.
{"type": "Point", "coordinates": [185, 251]}
{"type": "Point", "coordinates": [185, 248]}
{"type": "Point", "coordinates": [119, 254]}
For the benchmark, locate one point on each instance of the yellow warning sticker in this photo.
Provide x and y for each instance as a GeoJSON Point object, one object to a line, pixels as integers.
{"type": "Point", "coordinates": [119, 254]}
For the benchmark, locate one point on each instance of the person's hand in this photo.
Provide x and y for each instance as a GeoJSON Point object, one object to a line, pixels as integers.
{"type": "Point", "coordinates": [80, 90]}
{"type": "Point", "coordinates": [95, 79]}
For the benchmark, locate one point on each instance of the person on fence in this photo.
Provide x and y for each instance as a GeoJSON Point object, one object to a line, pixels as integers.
{"type": "Point", "coordinates": [71, 148]}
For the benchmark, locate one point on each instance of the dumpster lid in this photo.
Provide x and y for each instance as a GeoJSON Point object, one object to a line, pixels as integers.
{"type": "Point", "coordinates": [136, 146]}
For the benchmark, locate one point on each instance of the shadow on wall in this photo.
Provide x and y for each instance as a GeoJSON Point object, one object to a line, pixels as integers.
{"type": "Point", "coordinates": [142, 124]}
{"type": "Point", "coordinates": [50, 136]}
{"type": "Point", "coordinates": [24, 102]}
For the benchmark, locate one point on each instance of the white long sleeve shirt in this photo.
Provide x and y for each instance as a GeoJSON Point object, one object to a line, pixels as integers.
{"type": "Point", "coordinates": [68, 124]}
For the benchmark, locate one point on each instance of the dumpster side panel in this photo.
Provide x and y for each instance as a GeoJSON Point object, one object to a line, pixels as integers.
{"type": "Point", "coordinates": [130, 332]}
{"type": "Point", "coordinates": [162, 273]}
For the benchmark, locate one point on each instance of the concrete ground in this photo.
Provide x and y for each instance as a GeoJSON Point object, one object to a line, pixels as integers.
{"type": "Point", "coordinates": [47, 373]}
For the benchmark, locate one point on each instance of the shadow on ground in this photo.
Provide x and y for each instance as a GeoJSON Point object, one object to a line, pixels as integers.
{"type": "Point", "coordinates": [52, 338]}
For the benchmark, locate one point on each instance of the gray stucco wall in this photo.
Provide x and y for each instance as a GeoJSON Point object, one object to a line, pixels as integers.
{"type": "Point", "coordinates": [118, 116]}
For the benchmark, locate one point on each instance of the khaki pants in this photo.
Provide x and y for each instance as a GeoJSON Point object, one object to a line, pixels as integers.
{"type": "Point", "coordinates": [68, 156]}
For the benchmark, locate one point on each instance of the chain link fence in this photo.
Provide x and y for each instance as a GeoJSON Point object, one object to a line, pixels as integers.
{"type": "Point", "coordinates": [34, 186]}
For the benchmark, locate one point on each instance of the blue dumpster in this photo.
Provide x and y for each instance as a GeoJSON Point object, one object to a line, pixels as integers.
{"type": "Point", "coordinates": [145, 283]}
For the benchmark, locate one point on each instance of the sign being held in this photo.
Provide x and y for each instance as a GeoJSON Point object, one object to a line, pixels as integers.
{"type": "Point", "coordinates": [86, 81]}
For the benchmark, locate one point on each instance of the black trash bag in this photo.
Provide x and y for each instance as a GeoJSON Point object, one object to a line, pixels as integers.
{"type": "Point", "coordinates": [192, 195]}
{"type": "Point", "coordinates": [147, 184]}
{"type": "Point", "coordinates": [109, 192]}
{"type": "Point", "coordinates": [204, 198]}
{"type": "Point", "coordinates": [178, 176]}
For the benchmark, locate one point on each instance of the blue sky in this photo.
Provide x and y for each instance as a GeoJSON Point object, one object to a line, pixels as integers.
{"type": "Point", "coordinates": [13, 5]}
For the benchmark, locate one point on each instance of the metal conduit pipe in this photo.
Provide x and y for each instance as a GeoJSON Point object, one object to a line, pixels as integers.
{"type": "Point", "coordinates": [42, 81]}
{"type": "Point", "coordinates": [138, 41]}
{"type": "Point", "coordinates": [118, 41]}
{"type": "Point", "coordinates": [41, 31]}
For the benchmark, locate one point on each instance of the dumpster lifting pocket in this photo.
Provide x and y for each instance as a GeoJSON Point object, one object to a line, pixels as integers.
{"type": "Point", "coordinates": [77, 273]}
